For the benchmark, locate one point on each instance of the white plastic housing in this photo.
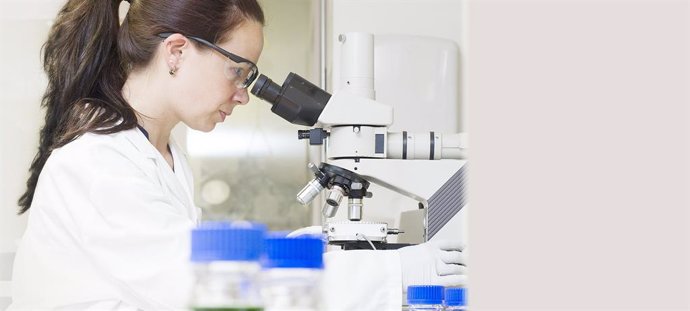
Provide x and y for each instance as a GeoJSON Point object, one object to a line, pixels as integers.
{"type": "Point", "coordinates": [446, 146]}
{"type": "Point", "coordinates": [347, 108]}
{"type": "Point", "coordinates": [355, 142]}
{"type": "Point", "coordinates": [357, 62]}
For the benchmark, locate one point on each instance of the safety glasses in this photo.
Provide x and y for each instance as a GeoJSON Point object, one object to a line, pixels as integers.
{"type": "Point", "coordinates": [237, 69]}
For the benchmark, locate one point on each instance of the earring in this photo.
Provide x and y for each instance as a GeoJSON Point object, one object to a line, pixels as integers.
{"type": "Point", "coordinates": [171, 62]}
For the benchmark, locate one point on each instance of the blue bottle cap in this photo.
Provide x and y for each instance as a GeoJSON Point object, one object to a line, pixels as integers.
{"type": "Point", "coordinates": [455, 296]}
{"type": "Point", "coordinates": [227, 241]}
{"type": "Point", "coordinates": [424, 295]}
{"type": "Point", "coordinates": [298, 252]}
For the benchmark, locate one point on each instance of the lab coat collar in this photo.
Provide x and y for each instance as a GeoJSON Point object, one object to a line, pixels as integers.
{"type": "Point", "coordinates": [142, 144]}
{"type": "Point", "coordinates": [165, 173]}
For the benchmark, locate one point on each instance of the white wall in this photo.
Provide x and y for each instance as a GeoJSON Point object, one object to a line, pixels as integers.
{"type": "Point", "coordinates": [24, 27]}
{"type": "Point", "coordinates": [433, 18]}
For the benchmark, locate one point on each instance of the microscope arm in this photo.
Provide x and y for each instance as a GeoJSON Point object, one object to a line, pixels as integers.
{"type": "Point", "coordinates": [404, 176]}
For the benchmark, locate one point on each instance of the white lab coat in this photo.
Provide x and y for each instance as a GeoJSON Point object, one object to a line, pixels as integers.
{"type": "Point", "coordinates": [109, 226]}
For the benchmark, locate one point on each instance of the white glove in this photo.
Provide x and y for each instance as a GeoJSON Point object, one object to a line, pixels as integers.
{"type": "Point", "coordinates": [433, 263]}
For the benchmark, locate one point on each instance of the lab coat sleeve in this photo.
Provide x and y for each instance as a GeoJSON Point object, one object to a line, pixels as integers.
{"type": "Point", "coordinates": [134, 234]}
{"type": "Point", "coordinates": [363, 280]}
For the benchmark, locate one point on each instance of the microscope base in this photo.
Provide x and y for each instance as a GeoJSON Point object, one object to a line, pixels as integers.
{"type": "Point", "coordinates": [355, 245]}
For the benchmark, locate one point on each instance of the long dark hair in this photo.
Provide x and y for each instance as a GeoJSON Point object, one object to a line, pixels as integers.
{"type": "Point", "coordinates": [88, 55]}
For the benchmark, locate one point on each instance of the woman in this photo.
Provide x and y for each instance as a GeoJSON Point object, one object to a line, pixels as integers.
{"type": "Point", "coordinates": [110, 193]}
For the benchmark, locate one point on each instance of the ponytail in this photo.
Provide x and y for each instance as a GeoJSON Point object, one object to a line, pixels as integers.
{"type": "Point", "coordinates": [85, 79]}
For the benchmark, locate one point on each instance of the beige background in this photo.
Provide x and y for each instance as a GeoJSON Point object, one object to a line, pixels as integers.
{"type": "Point", "coordinates": [578, 118]}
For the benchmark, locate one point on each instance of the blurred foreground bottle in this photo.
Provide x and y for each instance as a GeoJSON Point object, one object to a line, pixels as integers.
{"type": "Point", "coordinates": [292, 272]}
{"type": "Point", "coordinates": [455, 299]}
{"type": "Point", "coordinates": [226, 257]}
{"type": "Point", "coordinates": [425, 297]}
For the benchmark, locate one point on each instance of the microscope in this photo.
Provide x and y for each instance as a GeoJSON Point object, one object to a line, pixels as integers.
{"type": "Point", "coordinates": [353, 128]}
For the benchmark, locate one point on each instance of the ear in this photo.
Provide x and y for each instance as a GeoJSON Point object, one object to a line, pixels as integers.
{"type": "Point", "coordinates": [174, 47]}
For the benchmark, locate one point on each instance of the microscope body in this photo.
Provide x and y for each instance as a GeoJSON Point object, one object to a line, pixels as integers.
{"type": "Point", "coordinates": [427, 167]}
{"type": "Point", "coordinates": [353, 128]}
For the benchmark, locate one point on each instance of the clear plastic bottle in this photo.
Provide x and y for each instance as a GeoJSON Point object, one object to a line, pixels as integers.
{"type": "Point", "coordinates": [292, 272]}
{"type": "Point", "coordinates": [425, 297]}
{"type": "Point", "coordinates": [226, 263]}
{"type": "Point", "coordinates": [455, 299]}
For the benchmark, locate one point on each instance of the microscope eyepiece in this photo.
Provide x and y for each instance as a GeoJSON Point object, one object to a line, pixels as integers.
{"type": "Point", "coordinates": [266, 89]}
{"type": "Point", "coordinates": [297, 100]}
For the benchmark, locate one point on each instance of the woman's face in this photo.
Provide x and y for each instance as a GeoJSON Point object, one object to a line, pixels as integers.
{"type": "Point", "coordinates": [205, 81]}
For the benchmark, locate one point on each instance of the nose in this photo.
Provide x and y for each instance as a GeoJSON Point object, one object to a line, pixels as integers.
{"type": "Point", "coordinates": [241, 96]}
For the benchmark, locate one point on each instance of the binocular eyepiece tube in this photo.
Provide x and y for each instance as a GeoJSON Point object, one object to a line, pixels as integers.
{"type": "Point", "coordinates": [298, 101]}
